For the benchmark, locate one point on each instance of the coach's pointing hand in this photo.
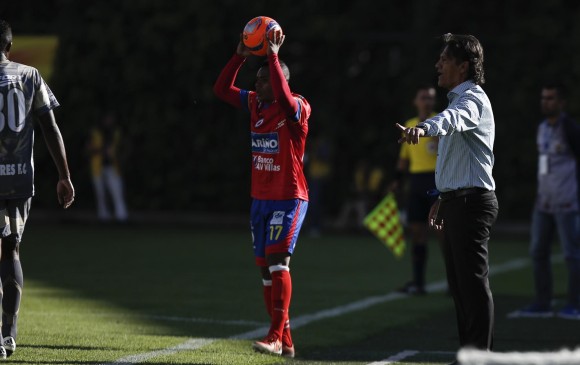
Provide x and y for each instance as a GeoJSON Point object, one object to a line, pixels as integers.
{"type": "Point", "coordinates": [410, 135]}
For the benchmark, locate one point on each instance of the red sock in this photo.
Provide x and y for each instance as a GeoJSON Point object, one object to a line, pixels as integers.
{"type": "Point", "coordinates": [286, 336]}
{"type": "Point", "coordinates": [268, 297]}
{"type": "Point", "coordinates": [281, 294]}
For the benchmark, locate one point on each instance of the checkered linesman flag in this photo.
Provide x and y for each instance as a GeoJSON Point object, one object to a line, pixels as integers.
{"type": "Point", "coordinates": [385, 224]}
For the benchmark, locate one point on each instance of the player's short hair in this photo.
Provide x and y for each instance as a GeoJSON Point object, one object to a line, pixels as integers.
{"type": "Point", "coordinates": [283, 66]}
{"type": "Point", "coordinates": [466, 48]}
{"type": "Point", "coordinates": [5, 35]}
{"type": "Point", "coordinates": [560, 88]}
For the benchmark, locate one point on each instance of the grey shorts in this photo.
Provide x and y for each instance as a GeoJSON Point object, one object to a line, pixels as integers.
{"type": "Point", "coordinates": [15, 214]}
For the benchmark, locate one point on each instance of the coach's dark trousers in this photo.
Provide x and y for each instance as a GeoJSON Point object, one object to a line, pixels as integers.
{"type": "Point", "coordinates": [467, 222]}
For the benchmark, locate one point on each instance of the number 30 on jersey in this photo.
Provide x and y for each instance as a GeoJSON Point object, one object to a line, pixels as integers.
{"type": "Point", "coordinates": [12, 110]}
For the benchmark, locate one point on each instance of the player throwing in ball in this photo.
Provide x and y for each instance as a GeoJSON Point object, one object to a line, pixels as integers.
{"type": "Point", "coordinates": [278, 125]}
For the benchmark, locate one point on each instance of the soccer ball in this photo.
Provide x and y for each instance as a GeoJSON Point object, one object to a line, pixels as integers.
{"type": "Point", "coordinates": [256, 34]}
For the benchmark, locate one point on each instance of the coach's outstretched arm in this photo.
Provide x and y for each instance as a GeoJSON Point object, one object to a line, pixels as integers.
{"type": "Point", "coordinates": [64, 188]}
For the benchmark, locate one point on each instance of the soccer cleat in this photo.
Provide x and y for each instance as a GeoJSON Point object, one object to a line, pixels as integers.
{"type": "Point", "coordinates": [9, 345]}
{"type": "Point", "coordinates": [269, 345]}
{"type": "Point", "coordinates": [2, 352]}
{"type": "Point", "coordinates": [288, 351]}
{"type": "Point", "coordinates": [532, 311]}
{"type": "Point", "coordinates": [569, 312]}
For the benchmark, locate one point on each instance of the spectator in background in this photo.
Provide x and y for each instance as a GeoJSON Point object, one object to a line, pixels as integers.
{"type": "Point", "coordinates": [557, 207]}
{"type": "Point", "coordinates": [319, 169]}
{"type": "Point", "coordinates": [103, 147]}
{"type": "Point", "coordinates": [365, 191]}
{"type": "Point", "coordinates": [417, 165]}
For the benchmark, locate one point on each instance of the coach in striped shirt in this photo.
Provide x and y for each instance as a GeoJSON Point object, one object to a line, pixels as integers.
{"type": "Point", "coordinates": [467, 206]}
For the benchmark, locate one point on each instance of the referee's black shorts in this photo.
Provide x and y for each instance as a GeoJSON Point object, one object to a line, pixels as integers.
{"type": "Point", "coordinates": [419, 202]}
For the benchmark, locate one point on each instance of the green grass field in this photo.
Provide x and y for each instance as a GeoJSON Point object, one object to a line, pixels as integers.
{"type": "Point", "coordinates": [186, 295]}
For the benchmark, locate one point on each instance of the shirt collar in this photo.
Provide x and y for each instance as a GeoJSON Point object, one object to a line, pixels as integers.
{"type": "Point", "coordinates": [460, 89]}
{"type": "Point", "coordinates": [562, 116]}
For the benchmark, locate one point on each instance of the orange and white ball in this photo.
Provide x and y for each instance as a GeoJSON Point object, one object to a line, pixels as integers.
{"type": "Point", "coordinates": [256, 33]}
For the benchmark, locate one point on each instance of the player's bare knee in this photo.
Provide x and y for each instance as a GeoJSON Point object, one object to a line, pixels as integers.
{"type": "Point", "coordinates": [278, 259]}
{"type": "Point", "coordinates": [10, 248]}
{"type": "Point", "coordinates": [265, 274]}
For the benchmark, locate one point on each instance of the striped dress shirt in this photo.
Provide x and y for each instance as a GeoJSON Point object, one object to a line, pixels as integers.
{"type": "Point", "coordinates": [467, 132]}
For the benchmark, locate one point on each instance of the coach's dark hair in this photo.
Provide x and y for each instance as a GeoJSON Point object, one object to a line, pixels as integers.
{"type": "Point", "coordinates": [283, 66]}
{"type": "Point", "coordinates": [466, 48]}
{"type": "Point", "coordinates": [5, 35]}
{"type": "Point", "coordinates": [560, 88]}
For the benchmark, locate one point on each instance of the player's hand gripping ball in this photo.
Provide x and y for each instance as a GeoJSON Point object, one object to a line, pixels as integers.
{"type": "Point", "coordinates": [256, 33]}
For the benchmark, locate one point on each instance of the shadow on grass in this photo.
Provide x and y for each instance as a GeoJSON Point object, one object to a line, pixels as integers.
{"type": "Point", "coordinates": [436, 338]}
{"type": "Point", "coordinates": [54, 362]}
{"type": "Point", "coordinates": [60, 347]}
{"type": "Point", "coordinates": [209, 274]}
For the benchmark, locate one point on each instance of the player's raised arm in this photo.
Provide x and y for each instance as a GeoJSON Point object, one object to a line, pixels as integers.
{"type": "Point", "coordinates": [278, 79]}
{"type": "Point", "coordinates": [224, 86]}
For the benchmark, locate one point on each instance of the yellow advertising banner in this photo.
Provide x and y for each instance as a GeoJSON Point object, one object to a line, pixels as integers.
{"type": "Point", "coordinates": [35, 51]}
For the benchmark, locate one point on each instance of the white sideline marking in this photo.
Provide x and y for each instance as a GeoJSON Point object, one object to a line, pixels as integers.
{"type": "Point", "coordinates": [191, 344]}
{"type": "Point", "coordinates": [317, 316]}
{"type": "Point", "coordinates": [395, 358]}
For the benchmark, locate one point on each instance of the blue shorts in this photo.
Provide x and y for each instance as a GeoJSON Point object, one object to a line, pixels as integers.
{"type": "Point", "coordinates": [275, 226]}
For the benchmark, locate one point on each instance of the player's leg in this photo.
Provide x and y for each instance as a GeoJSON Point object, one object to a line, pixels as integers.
{"type": "Point", "coordinates": [258, 216]}
{"type": "Point", "coordinates": [267, 289]}
{"type": "Point", "coordinates": [4, 232]}
{"type": "Point", "coordinates": [283, 227]}
{"type": "Point", "coordinates": [11, 270]}
{"type": "Point", "coordinates": [279, 267]}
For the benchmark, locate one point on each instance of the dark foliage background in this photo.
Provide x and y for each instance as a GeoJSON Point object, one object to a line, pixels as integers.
{"type": "Point", "coordinates": [357, 62]}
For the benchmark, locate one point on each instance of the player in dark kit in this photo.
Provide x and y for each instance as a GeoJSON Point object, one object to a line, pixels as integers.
{"type": "Point", "coordinates": [278, 125]}
{"type": "Point", "coordinates": [25, 99]}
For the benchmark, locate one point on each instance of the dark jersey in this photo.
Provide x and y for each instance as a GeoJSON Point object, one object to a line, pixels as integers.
{"type": "Point", "coordinates": [23, 96]}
